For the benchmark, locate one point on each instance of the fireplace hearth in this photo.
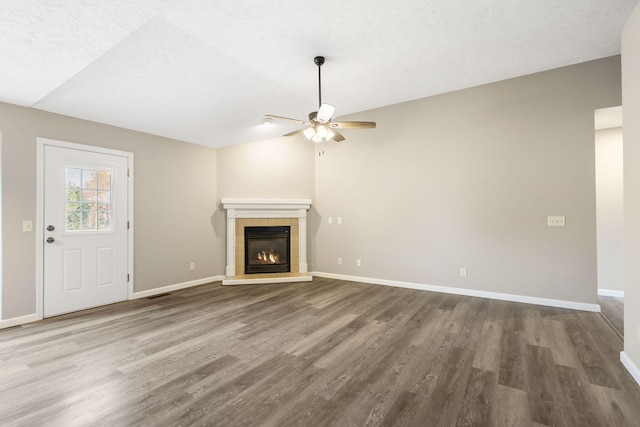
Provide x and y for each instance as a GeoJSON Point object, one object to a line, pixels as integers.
{"type": "Point", "coordinates": [267, 249]}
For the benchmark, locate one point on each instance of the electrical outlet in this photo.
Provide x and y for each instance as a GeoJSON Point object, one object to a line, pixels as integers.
{"type": "Point", "coordinates": [463, 272]}
{"type": "Point", "coordinates": [339, 220]}
{"type": "Point", "coordinates": [555, 221]}
{"type": "Point", "coordinates": [359, 263]}
{"type": "Point", "coordinates": [192, 266]}
{"type": "Point", "coordinates": [339, 260]}
{"type": "Point", "coordinates": [27, 226]}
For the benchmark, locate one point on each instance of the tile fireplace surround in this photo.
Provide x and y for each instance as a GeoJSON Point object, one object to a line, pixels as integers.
{"type": "Point", "coordinates": [266, 212]}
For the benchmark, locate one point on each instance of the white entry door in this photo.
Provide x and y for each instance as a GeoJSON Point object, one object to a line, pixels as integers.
{"type": "Point", "coordinates": [85, 236]}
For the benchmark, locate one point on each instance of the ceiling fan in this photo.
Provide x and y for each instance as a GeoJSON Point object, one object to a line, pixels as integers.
{"type": "Point", "coordinates": [321, 128]}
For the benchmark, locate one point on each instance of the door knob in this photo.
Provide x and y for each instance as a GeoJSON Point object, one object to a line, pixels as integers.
{"type": "Point", "coordinates": [50, 228]}
{"type": "Point", "coordinates": [50, 240]}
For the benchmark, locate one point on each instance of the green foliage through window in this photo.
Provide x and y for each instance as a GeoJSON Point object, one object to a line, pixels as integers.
{"type": "Point", "coordinates": [88, 199]}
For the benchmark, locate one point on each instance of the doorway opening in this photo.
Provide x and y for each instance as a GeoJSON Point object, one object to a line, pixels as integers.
{"type": "Point", "coordinates": [610, 215]}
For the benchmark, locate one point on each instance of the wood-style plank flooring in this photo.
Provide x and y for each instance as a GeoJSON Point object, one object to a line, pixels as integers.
{"type": "Point", "coordinates": [324, 353]}
{"type": "Point", "coordinates": [613, 312]}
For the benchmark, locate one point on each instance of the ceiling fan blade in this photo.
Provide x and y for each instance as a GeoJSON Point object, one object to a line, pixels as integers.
{"type": "Point", "coordinates": [295, 132]}
{"type": "Point", "coordinates": [325, 113]}
{"type": "Point", "coordinates": [337, 136]}
{"type": "Point", "coordinates": [285, 118]}
{"type": "Point", "coordinates": [352, 125]}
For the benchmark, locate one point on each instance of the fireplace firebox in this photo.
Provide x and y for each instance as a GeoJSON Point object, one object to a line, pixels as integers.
{"type": "Point", "coordinates": [267, 249]}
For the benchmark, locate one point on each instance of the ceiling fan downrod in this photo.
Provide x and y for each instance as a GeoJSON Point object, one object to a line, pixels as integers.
{"type": "Point", "coordinates": [319, 60]}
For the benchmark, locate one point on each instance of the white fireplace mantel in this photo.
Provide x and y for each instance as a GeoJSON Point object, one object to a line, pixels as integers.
{"type": "Point", "coordinates": [265, 208]}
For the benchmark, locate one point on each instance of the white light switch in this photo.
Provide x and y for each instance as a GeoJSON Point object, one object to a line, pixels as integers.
{"type": "Point", "coordinates": [330, 220]}
{"type": "Point", "coordinates": [27, 226]}
{"type": "Point", "coordinates": [555, 221]}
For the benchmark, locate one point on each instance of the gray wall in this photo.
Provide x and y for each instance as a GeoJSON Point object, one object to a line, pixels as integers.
{"type": "Point", "coordinates": [609, 209]}
{"type": "Point", "coordinates": [467, 179]}
{"type": "Point", "coordinates": [175, 199]}
{"type": "Point", "coordinates": [631, 112]}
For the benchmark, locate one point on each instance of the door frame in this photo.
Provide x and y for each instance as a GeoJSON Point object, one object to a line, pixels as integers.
{"type": "Point", "coordinates": [40, 145]}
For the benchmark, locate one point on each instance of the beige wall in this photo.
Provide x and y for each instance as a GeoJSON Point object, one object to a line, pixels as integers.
{"type": "Point", "coordinates": [631, 112]}
{"type": "Point", "coordinates": [281, 168]}
{"type": "Point", "coordinates": [175, 200]}
{"type": "Point", "coordinates": [609, 209]}
{"type": "Point", "coordinates": [467, 179]}
{"type": "Point", "coordinates": [276, 168]}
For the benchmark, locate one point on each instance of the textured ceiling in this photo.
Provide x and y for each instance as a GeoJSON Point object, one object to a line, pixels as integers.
{"type": "Point", "coordinates": [206, 71]}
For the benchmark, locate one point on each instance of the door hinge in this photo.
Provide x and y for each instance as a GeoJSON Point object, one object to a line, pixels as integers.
{"type": "Point", "coordinates": [128, 225]}
{"type": "Point", "coordinates": [128, 173]}
{"type": "Point", "coordinates": [128, 278]}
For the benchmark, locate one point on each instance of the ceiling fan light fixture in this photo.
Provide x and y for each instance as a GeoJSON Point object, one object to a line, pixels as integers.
{"type": "Point", "coordinates": [325, 113]}
{"type": "Point", "coordinates": [267, 121]}
{"type": "Point", "coordinates": [321, 131]}
{"type": "Point", "coordinates": [329, 136]}
{"type": "Point", "coordinates": [309, 133]}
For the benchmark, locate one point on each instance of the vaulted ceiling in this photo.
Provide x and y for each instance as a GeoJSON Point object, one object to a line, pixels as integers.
{"type": "Point", "coordinates": [206, 71]}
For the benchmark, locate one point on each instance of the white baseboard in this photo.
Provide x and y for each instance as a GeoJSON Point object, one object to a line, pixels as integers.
{"type": "Point", "coordinates": [610, 293]}
{"type": "Point", "coordinates": [16, 321]}
{"type": "Point", "coordinates": [631, 367]}
{"type": "Point", "coordinates": [171, 288]}
{"type": "Point", "coordinates": [467, 292]}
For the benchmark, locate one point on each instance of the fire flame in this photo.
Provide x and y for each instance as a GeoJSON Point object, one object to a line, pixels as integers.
{"type": "Point", "coordinates": [269, 257]}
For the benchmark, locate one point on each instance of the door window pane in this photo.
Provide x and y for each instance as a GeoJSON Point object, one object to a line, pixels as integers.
{"type": "Point", "coordinates": [88, 199]}
{"type": "Point", "coordinates": [73, 177]}
{"type": "Point", "coordinates": [104, 180]}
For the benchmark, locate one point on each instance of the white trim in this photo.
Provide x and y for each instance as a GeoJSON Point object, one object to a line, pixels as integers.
{"type": "Point", "coordinates": [1, 287]}
{"type": "Point", "coordinates": [177, 286]}
{"type": "Point", "coordinates": [467, 292]}
{"type": "Point", "coordinates": [40, 144]}
{"type": "Point", "coordinates": [17, 321]}
{"type": "Point", "coordinates": [610, 293]}
{"type": "Point", "coordinates": [230, 269]}
{"type": "Point", "coordinates": [39, 228]}
{"type": "Point", "coordinates": [266, 208]}
{"type": "Point", "coordinates": [270, 204]}
{"type": "Point", "coordinates": [631, 367]}
{"type": "Point", "coordinates": [266, 280]}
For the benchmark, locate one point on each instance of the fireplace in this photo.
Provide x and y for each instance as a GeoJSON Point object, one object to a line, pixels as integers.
{"type": "Point", "coordinates": [267, 249]}
{"type": "Point", "coordinates": [266, 259]}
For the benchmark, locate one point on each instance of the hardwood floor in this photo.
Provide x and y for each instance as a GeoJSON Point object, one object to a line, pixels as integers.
{"type": "Point", "coordinates": [324, 353]}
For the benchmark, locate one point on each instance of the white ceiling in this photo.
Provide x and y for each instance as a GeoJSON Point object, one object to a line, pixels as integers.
{"type": "Point", "coordinates": [206, 71]}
